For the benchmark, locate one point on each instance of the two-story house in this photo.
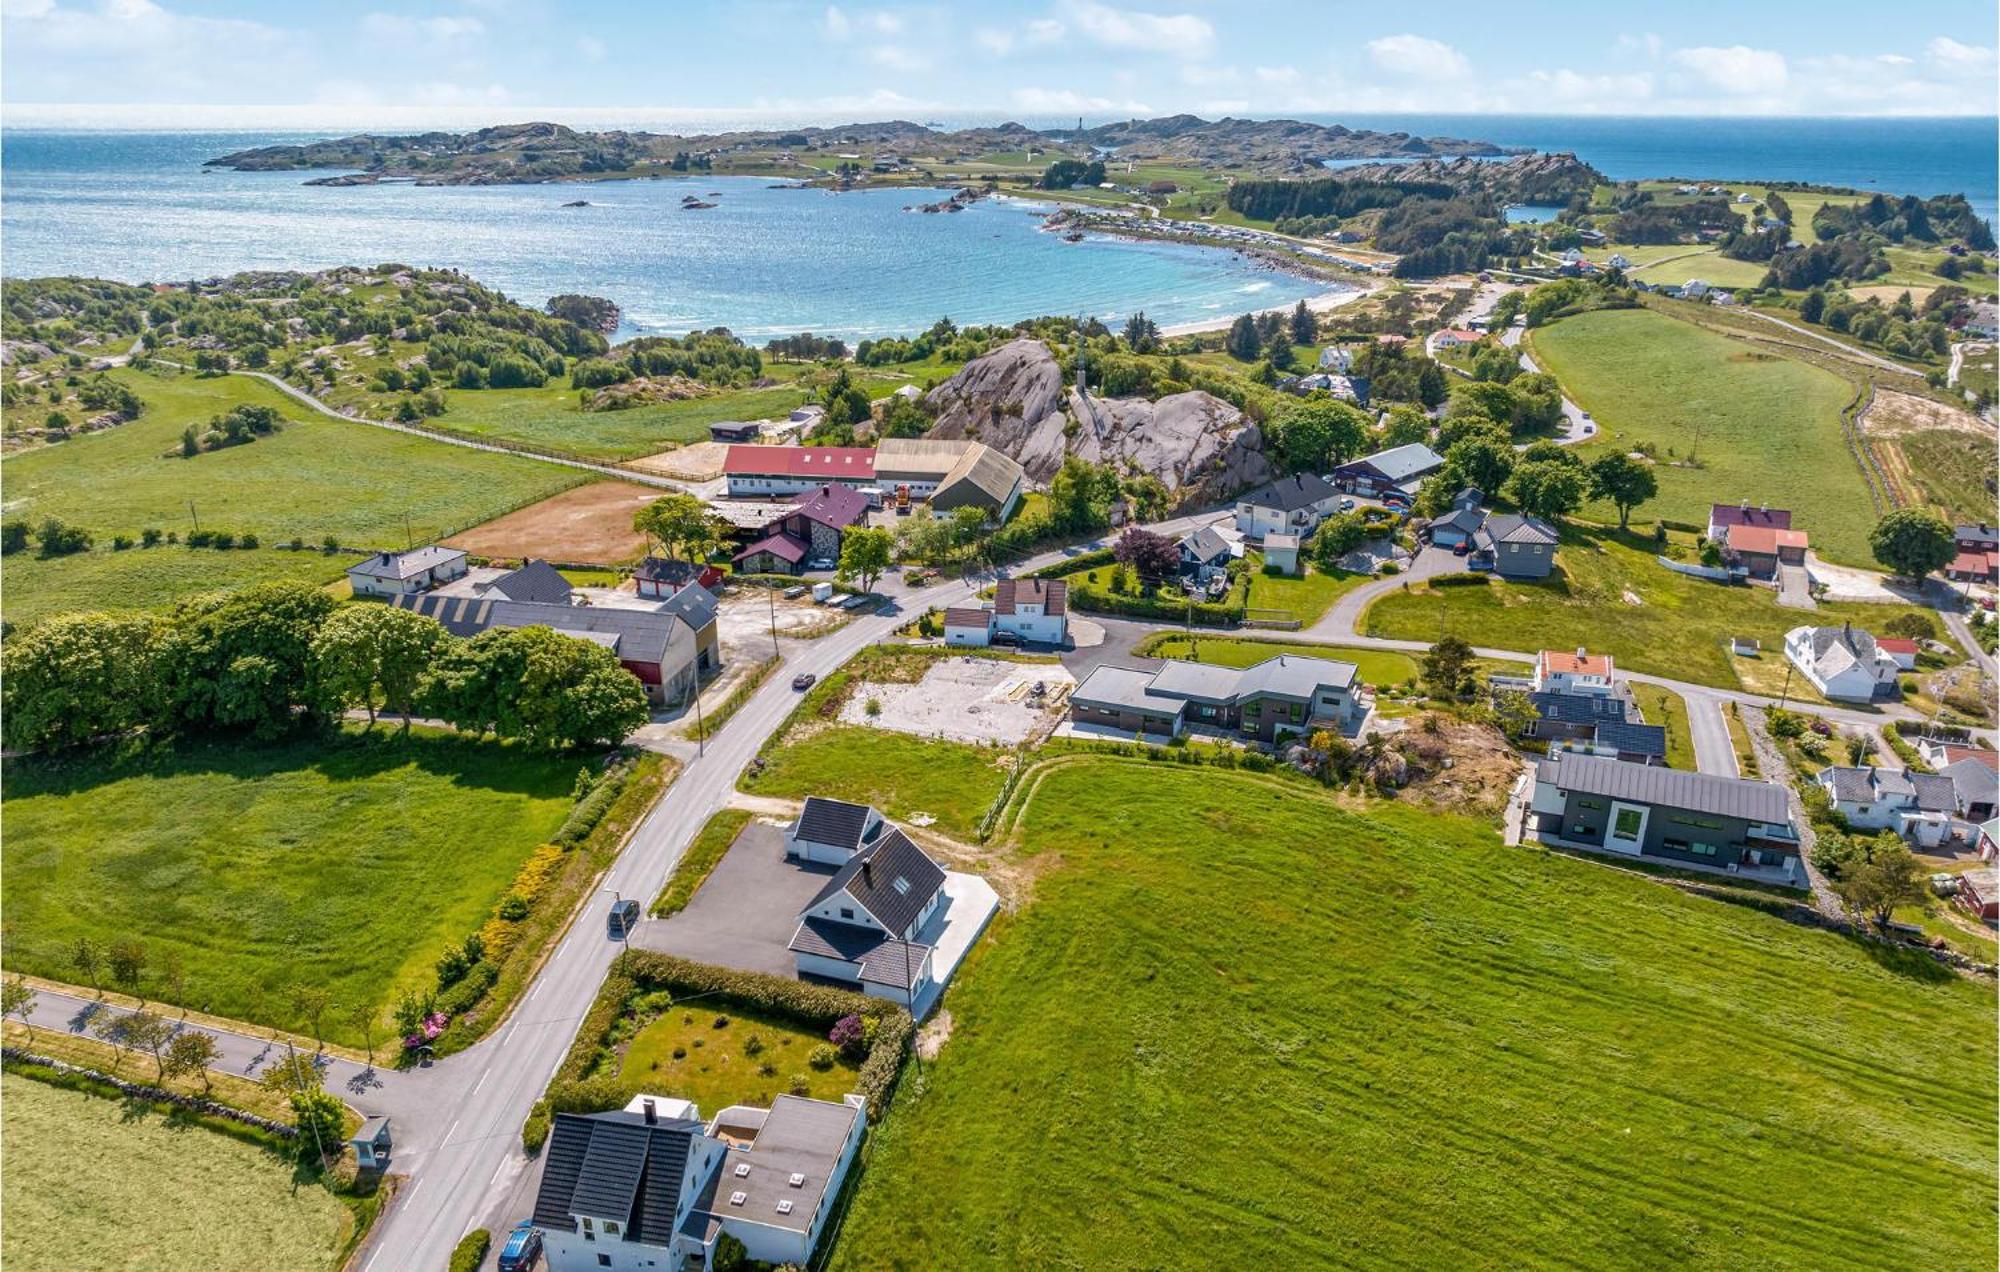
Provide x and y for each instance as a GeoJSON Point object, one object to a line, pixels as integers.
{"type": "Point", "coordinates": [1290, 505]}
{"type": "Point", "coordinates": [1844, 663]}
{"type": "Point", "coordinates": [808, 535]}
{"type": "Point", "coordinates": [861, 928]}
{"type": "Point", "coordinates": [1024, 612]}
{"type": "Point", "coordinates": [1286, 696]}
{"type": "Point", "coordinates": [1559, 671]}
{"type": "Point", "coordinates": [1918, 806]}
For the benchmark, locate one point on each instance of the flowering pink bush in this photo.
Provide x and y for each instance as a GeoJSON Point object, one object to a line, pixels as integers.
{"type": "Point", "coordinates": [849, 1035]}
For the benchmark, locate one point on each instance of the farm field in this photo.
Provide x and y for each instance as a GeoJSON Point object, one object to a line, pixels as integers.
{"type": "Point", "coordinates": [1768, 427]}
{"type": "Point", "coordinates": [344, 863]}
{"type": "Point", "coordinates": [590, 523]}
{"type": "Point", "coordinates": [1409, 1044]}
{"type": "Point", "coordinates": [900, 774]}
{"type": "Point", "coordinates": [315, 477]}
{"type": "Point", "coordinates": [153, 1195]}
{"type": "Point", "coordinates": [1679, 628]}
{"type": "Point", "coordinates": [1707, 264]}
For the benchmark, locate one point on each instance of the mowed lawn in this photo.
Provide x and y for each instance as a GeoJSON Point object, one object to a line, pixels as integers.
{"type": "Point", "coordinates": [1679, 628]}
{"type": "Point", "coordinates": [1240, 1023]}
{"type": "Point", "coordinates": [88, 1186]}
{"type": "Point", "coordinates": [898, 773]}
{"type": "Point", "coordinates": [1764, 428]}
{"type": "Point", "coordinates": [345, 862]}
{"type": "Point", "coordinates": [368, 487]}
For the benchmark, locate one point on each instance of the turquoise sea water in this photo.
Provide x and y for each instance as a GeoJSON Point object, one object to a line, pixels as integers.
{"type": "Point", "coordinates": [138, 206]}
{"type": "Point", "coordinates": [762, 262]}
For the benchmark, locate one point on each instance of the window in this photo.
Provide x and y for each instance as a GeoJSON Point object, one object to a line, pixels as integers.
{"type": "Point", "coordinates": [1701, 849]}
{"type": "Point", "coordinates": [1590, 803]}
{"type": "Point", "coordinates": [603, 1260]}
{"type": "Point", "coordinates": [846, 912]}
{"type": "Point", "coordinates": [587, 1225]}
{"type": "Point", "coordinates": [1700, 823]}
{"type": "Point", "coordinates": [1627, 823]}
{"type": "Point", "coordinates": [610, 1229]}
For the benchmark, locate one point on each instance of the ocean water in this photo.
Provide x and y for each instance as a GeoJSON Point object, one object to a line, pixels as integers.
{"type": "Point", "coordinates": [139, 207]}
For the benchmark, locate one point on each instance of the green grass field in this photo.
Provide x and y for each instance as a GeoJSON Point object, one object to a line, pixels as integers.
{"type": "Point", "coordinates": [699, 859]}
{"type": "Point", "coordinates": [1763, 427]}
{"type": "Point", "coordinates": [154, 1194]}
{"type": "Point", "coordinates": [1306, 597]}
{"type": "Point", "coordinates": [716, 1068]}
{"type": "Point", "coordinates": [1954, 468]}
{"type": "Point", "coordinates": [1680, 628]}
{"type": "Point", "coordinates": [1242, 1022]}
{"type": "Point", "coordinates": [1374, 666]}
{"type": "Point", "coordinates": [900, 774]}
{"type": "Point", "coordinates": [1663, 706]}
{"type": "Point", "coordinates": [366, 486]}
{"type": "Point", "coordinates": [346, 863]}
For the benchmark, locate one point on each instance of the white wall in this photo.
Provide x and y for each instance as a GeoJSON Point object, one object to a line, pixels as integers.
{"type": "Point", "coordinates": [1032, 624]}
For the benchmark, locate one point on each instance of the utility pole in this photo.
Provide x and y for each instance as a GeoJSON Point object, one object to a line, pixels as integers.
{"type": "Point", "coordinates": [771, 594]}
{"type": "Point", "coordinates": [1786, 692]}
{"type": "Point", "coordinates": [194, 516]}
{"type": "Point", "coordinates": [409, 539]}
{"type": "Point", "coordinates": [700, 729]}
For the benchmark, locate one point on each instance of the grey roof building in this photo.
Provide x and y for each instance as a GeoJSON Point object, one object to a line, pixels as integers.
{"type": "Point", "coordinates": [1286, 694]}
{"type": "Point", "coordinates": [862, 925]}
{"type": "Point", "coordinates": [535, 581]}
{"type": "Point", "coordinates": [1514, 546]}
{"type": "Point", "coordinates": [1701, 820]}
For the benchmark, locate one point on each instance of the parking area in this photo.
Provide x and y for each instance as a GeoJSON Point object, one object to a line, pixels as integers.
{"type": "Point", "coordinates": [975, 700]}
{"type": "Point", "coordinates": [744, 915]}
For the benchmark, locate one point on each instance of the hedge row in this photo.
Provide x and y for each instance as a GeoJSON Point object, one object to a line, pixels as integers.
{"type": "Point", "coordinates": [1206, 613]}
{"type": "Point", "coordinates": [815, 1006]}
{"type": "Point", "coordinates": [1462, 578]}
{"type": "Point", "coordinates": [1071, 565]}
{"type": "Point", "coordinates": [471, 1251]}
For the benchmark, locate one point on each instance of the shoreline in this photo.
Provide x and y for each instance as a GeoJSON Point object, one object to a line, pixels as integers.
{"type": "Point", "coordinates": [1325, 302]}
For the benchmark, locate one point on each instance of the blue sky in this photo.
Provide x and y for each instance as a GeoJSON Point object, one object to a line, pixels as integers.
{"type": "Point", "coordinates": [481, 60]}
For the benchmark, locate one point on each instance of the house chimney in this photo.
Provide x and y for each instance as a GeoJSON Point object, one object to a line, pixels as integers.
{"type": "Point", "coordinates": [652, 1113]}
{"type": "Point", "coordinates": [1582, 652]}
{"type": "Point", "coordinates": [867, 872]}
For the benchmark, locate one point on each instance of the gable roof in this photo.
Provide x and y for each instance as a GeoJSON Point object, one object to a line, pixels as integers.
{"type": "Point", "coordinates": [982, 468]}
{"type": "Point", "coordinates": [1896, 645]}
{"type": "Point", "coordinates": [1204, 546]}
{"type": "Point", "coordinates": [1665, 787]}
{"type": "Point", "coordinates": [534, 581]}
{"type": "Point", "coordinates": [836, 463]}
{"type": "Point", "coordinates": [871, 875]}
{"type": "Point", "coordinates": [1765, 540]}
{"type": "Point", "coordinates": [615, 1166]}
{"type": "Point", "coordinates": [406, 565]}
{"type": "Point", "coordinates": [1508, 527]}
{"type": "Point", "coordinates": [634, 634]}
{"type": "Point", "coordinates": [1289, 494]}
{"type": "Point", "coordinates": [833, 505]}
{"type": "Point", "coordinates": [669, 570]}
{"type": "Point", "coordinates": [968, 616]}
{"type": "Point", "coordinates": [1729, 516]}
{"type": "Point", "coordinates": [833, 821]}
{"type": "Point", "coordinates": [1400, 463]}
{"type": "Point", "coordinates": [1985, 535]}
{"type": "Point", "coordinates": [1974, 782]}
{"type": "Point", "coordinates": [1836, 646]}
{"type": "Point", "coordinates": [1051, 594]}
{"type": "Point", "coordinates": [1463, 520]}
{"type": "Point", "coordinates": [786, 547]}
{"type": "Point", "coordinates": [881, 958]}
{"type": "Point", "coordinates": [1579, 663]}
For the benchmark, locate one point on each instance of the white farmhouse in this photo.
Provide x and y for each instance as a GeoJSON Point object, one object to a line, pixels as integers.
{"type": "Point", "coordinates": [1844, 664]}
{"type": "Point", "coordinates": [406, 573]}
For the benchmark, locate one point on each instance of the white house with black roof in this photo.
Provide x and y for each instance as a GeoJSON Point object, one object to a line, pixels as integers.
{"type": "Point", "coordinates": [653, 1186]}
{"type": "Point", "coordinates": [862, 927]}
{"type": "Point", "coordinates": [406, 573]}
{"type": "Point", "coordinates": [832, 831]}
{"type": "Point", "coordinates": [1290, 505]}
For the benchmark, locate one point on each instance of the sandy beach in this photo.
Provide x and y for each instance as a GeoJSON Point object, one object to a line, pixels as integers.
{"type": "Point", "coordinates": [1324, 303]}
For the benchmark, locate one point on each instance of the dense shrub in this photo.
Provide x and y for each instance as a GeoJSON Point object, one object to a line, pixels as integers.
{"type": "Point", "coordinates": [471, 1251]}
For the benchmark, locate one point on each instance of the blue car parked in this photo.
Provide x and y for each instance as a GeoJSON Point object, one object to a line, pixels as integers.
{"type": "Point", "coordinates": [523, 1249]}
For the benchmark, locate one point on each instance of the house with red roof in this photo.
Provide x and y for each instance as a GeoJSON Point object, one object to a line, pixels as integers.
{"type": "Point", "coordinates": [1723, 518]}
{"type": "Point", "coordinates": [772, 471]}
{"type": "Point", "coordinates": [1901, 651]}
{"type": "Point", "coordinates": [1762, 549]}
{"type": "Point", "coordinates": [807, 536]}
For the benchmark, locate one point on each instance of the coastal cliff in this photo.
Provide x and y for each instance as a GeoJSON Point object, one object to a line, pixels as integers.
{"type": "Point", "coordinates": [1014, 399]}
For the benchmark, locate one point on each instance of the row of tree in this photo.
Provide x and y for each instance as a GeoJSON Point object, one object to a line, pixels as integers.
{"type": "Point", "coordinates": [276, 656]}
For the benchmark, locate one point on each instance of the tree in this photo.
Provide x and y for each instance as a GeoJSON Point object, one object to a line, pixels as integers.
{"type": "Point", "coordinates": [1305, 325]}
{"type": "Point", "coordinates": [1406, 424]}
{"type": "Point", "coordinates": [1081, 496]}
{"type": "Point", "coordinates": [1242, 341]}
{"type": "Point", "coordinates": [1153, 557]}
{"type": "Point", "coordinates": [846, 403]}
{"type": "Point", "coordinates": [1317, 433]}
{"type": "Point", "coordinates": [127, 961]}
{"type": "Point", "coordinates": [1812, 305]}
{"type": "Point", "coordinates": [1547, 489]}
{"type": "Point", "coordinates": [13, 536]}
{"type": "Point", "coordinates": [58, 538]}
{"type": "Point", "coordinates": [1337, 536]}
{"type": "Point", "coordinates": [151, 1033]}
{"type": "Point", "coordinates": [190, 1054]}
{"type": "Point", "coordinates": [1913, 543]}
{"type": "Point", "coordinates": [311, 1003]}
{"type": "Point", "coordinates": [730, 1254]}
{"type": "Point", "coordinates": [554, 690]}
{"type": "Point", "coordinates": [241, 660]}
{"type": "Point", "coordinates": [319, 1116]}
{"type": "Point", "coordinates": [680, 524]}
{"type": "Point", "coordinates": [1891, 877]}
{"type": "Point", "coordinates": [1483, 459]}
{"type": "Point", "coordinates": [1912, 625]}
{"type": "Point", "coordinates": [113, 1028]}
{"type": "Point", "coordinates": [1445, 665]}
{"type": "Point", "coordinates": [1624, 481]}
{"type": "Point", "coordinates": [88, 960]}
{"type": "Point", "coordinates": [365, 1021]}
{"type": "Point", "coordinates": [366, 651]}
{"type": "Point", "coordinates": [17, 998]}
{"type": "Point", "coordinates": [74, 678]}
{"type": "Point", "coordinates": [865, 554]}
{"type": "Point", "coordinates": [1142, 334]}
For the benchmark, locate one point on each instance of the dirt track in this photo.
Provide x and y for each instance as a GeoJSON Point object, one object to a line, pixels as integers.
{"type": "Point", "coordinates": [589, 525]}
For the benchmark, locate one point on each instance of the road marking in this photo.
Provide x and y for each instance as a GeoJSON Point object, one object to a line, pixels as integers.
{"type": "Point", "coordinates": [454, 1127]}
{"type": "Point", "coordinates": [481, 1082]}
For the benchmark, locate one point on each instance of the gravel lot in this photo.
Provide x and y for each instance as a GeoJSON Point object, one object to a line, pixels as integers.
{"type": "Point", "coordinates": [966, 700]}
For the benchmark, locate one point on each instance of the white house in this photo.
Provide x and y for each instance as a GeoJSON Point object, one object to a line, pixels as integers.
{"type": "Point", "coordinates": [1029, 611]}
{"type": "Point", "coordinates": [861, 928]}
{"type": "Point", "coordinates": [652, 1186]}
{"type": "Point", "coordinates": [1290, 505]}
{"type": "Point", "coordinates": [1619, 260]}
{"type": "Point", "coordinates": [1918, 806]}
{"type": "Point", "coordinates": [1336, 358]}
{"type": "Point", "coordinates": [1558, 671]}
{"type": "Point", "coordinates": [970, 626]}
{"type": "Point", "coordinates": [1695, 289]}
{"type": "Point", "coordinates": [406, 573]}
{"type": "Point", "coordinates": [831, 831]}
{"type": "Point", "coordinates": [1842, 663]}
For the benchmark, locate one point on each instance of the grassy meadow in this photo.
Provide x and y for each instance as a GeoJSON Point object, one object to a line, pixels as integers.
{"type": "Point", "coordinates": [315, 477]}
{"type": "Point", "coordinates": [346, 863]}
{"type": "Point", "coordinates": [1763, 427]}
{"type": "Point", "coordinates": [1609, 593]}
{"type": "Point", "coordinates": [154, 1194]}
{"type": "Point", "coordinates": [1241, 1020]}
{"type": "Point", "coordinates": [896, 772]}
{"type": "Point", "coordinates": [719, 1063]}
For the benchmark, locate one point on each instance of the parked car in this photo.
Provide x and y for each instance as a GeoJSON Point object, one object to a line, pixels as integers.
{"type": "Point", "coordinates": [523, 1248]}
{"type": "Point", "coordinates": [1347, 505]}
{"type": "Point", "coordinates": [1462, 548]}
{"type": "Point", "coordinates": [803, 681]}
{"type": "Point", "coordinates": [623, 918]}
{"type": "Point", "coordinates": [794, 592]}
{"type": "Point", "coordinates": [821, 563]}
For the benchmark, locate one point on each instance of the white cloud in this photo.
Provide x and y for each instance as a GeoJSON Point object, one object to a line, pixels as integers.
{"type": "Point", "coordinates": [591, 48]}
{"type": "Point", "coordinates": [1648, 44]}
{"type": "Point", "coordinates": [895, 57]}
{"type": "Point", "coordinates": [1064, 101]}
{"type": "Point", "coordinates": [1277, 76]}
{"type": "Point", "coordinates": [396, 26]}
{"type": "Point", "coordinates": [1894, 59]}
{"type": "Point", "coordinates": [1032, 34]}
{"type": "Point", "coordinates": [1576, 90]}
{"type": "Point", "coordinates": [838, 24]}
{"type": "Point", "coordinates": [1417, 55]}
{"type": "Point", "coordinates": [833, 24]}
{"type": "Point", "coordinates": [142, 52]}
{"type": "Point", "coordinates": [1178, 34]}
{"type": "Point", "coordinates": [1737, 69]}
{"type": "Point", "coordinates": [1949, 52]}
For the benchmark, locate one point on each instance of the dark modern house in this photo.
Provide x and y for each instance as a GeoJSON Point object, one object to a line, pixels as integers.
{"type": "Point", "coordinates": [1396, 471]}
{"type": "Point", "coordinates": [1598, 724]}
{"type": "Point", "coordinates": [1281, 697]}
{"type": "Point", "coordinates": [1515, 547]}
{"type": "Point", "coordinates": [1666, 815]}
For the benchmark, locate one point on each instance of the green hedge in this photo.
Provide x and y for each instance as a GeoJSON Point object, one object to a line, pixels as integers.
{"type": "Point", "coordinates": [1206, 613]}
{"type": "Point", "coordinates": [1462, 578]}
{"type": "Point", "coordinates": [1071, 565]}
{"type": "Point", "coordinates": [471, 1251]}
{"type": "Point", "coordinates": [591, 808]}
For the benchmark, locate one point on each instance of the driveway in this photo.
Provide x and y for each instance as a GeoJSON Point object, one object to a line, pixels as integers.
{"type": "Point", "coordinates": [744, 915]}
{"type": "Point", "coordinates": [1795, 588]}
{"type": "Point", "coordinates": [1714, 752]}
{"type": "Point", "coordinates": [1339, 621]}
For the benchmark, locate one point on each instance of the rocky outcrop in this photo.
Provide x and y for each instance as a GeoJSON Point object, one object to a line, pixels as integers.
{"type": "Point", "coordinates": [1013, 399]}
{"type": "Point", "coordinates": [644, 391]}
{"type": "Point", "coordinates": [1546, 179]}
